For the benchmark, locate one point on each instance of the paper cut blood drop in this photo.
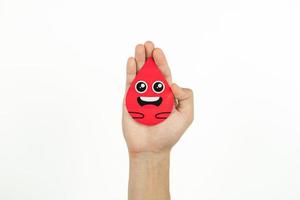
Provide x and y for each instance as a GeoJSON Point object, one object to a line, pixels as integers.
{"type": "Point", "coordinates": [149, 99]}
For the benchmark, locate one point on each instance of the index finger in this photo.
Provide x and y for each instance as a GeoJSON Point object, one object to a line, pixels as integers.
{"type": "Point", "coordinates": [161, 61]}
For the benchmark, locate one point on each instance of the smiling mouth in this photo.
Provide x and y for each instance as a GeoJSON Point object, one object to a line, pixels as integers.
{"type": "Point", "coordinates": [149, 101]}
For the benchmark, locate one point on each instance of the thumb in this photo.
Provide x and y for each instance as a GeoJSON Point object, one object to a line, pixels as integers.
{"type": "Point", "coordinates": [185, 100]}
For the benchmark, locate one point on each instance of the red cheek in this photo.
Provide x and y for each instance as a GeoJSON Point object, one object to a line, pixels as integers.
{"type": "Point", "coordinates": [149, 107]}
{"type": "Point", "coordinates": [137, 115]}
{"type": "Point", "coordinates": [162, 115]}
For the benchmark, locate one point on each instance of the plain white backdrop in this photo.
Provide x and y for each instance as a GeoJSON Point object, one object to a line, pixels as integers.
{"type": "Point", "coordinates": [62, 73]}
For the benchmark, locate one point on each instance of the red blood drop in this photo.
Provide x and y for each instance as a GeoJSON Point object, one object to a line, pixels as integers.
{"type": "Point", "coordinates": [149, 99]}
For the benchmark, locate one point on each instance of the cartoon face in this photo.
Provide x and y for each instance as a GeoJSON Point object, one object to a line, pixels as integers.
{"type": "Point", "coordinates": [149, 99]}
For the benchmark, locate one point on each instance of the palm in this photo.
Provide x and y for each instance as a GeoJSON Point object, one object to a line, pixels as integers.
{"type": "Point", "coordinates": [142, 138]}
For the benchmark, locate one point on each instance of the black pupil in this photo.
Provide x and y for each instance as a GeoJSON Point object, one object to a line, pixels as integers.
{"type": "Point", "coordinates": [158, 86]}
{"type": "Point", "coordinates": [141, 86]}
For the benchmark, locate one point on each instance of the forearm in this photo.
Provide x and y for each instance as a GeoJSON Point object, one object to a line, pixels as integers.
{"type": "Point", "coordinates": [149, 176]}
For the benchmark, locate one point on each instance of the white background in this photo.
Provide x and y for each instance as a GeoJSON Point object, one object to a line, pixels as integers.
{"type": "Point", "coordinates": [62, 73]}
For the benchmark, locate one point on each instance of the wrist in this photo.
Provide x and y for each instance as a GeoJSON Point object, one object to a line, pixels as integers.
{"type": "Point", "coordinates": [161, 156]}
{"type": "Point", "coordinates": [149, 175]}
{"type": "Point", "coordinates": [150, 160]}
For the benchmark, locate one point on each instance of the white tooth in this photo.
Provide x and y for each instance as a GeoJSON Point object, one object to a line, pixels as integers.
{"type": "Point", "coordinates": [149, 99]}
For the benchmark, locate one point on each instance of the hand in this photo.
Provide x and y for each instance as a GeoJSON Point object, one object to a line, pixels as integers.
{"type": "Point", "coordinates": [161, 137]}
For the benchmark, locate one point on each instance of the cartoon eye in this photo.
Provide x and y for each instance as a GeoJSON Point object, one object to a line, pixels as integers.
{"type": "Point", "coordinates": [141, 86]}
{"type": "Point", "coordinates": [158, 87]}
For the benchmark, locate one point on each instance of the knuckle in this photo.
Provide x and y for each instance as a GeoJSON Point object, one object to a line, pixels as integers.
{"type": "Point", "coordinates": [149, 42]}
{"type": "Point", "coordinates": [192, 118]}
{"type": "Point", "coordinates": [157, 50]}
{"type": "Point", "coordinates": [139, 46]}
{"type": "Point", "coordinates": [189, 92]}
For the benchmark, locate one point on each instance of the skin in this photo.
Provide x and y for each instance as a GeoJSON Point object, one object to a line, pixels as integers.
{"type": "Point", "coordinates": [149, 147]}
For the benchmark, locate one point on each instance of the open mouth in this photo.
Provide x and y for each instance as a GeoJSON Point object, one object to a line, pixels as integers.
{"type": "Point", "coordinates": [149, 101]}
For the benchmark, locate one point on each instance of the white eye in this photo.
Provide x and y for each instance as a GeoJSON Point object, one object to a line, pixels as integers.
{"type": "Point", "coordinates": [158, 87]}
{"type": "Point", "coordinates": [141, 86]}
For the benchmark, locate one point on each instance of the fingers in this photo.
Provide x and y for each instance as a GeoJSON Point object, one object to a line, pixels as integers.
{"type": "Point", "coordinates": [185, 101]}
{"type": "Point", "coordinates": [140, 56]}
{"type": "Point", "coordinates": [135, 64]}
{"type": "Point", "coordinates": [131, 71]}
{"type": "Point", "coordinates": [160, 59]}
{"type": "Point", "coordinates": [148, 50]}
{"type": "Point", "coordinates": [149, 47]}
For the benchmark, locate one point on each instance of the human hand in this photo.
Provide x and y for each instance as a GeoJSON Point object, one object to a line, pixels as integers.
{"type": "Point", "coordinates": [161, 137]}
